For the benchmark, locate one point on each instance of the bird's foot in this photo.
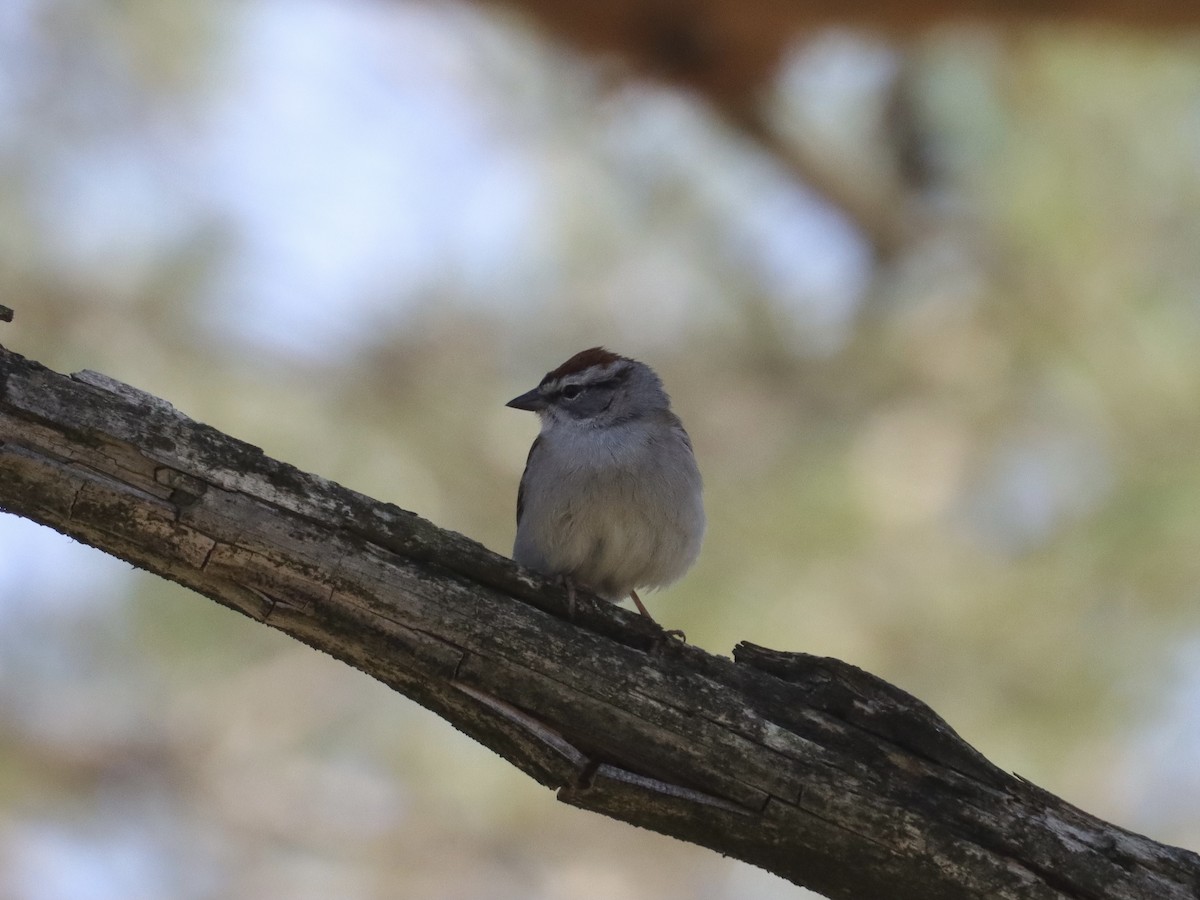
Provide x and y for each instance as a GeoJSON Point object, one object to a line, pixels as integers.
{"type": "Point", "coordinates": [565, 581]}
{"type": "Point", "coordinates": [668, 635]}
{"type": "Point", "coordinates": [667, 640]}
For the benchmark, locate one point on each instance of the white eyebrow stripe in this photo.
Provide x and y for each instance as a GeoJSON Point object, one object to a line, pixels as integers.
{"type": "Point", "coordinates": [586, 377]}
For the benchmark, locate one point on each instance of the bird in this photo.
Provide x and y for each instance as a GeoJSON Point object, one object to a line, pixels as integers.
{"type": "Point", "coordinates": [611, 496]}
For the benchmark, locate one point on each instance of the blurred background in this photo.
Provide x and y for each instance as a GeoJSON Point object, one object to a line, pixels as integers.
{"type": "Point", "coordinates": [927, 297]}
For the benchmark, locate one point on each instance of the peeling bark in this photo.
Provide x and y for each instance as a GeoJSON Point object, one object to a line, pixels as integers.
{"type": "Point", "coordinates": [808, 767]}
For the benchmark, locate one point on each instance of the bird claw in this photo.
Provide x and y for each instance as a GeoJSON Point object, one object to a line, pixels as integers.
{"type": "Point", "coordinates": [666, 635]}
{"type": "Point", "coordinates": [668, 639]}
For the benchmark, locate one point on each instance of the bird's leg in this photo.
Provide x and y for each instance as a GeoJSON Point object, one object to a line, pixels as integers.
{"type": "Point", "coordinates": [667, 632]}
{"type": "Point", "coordinates": [566, 581]}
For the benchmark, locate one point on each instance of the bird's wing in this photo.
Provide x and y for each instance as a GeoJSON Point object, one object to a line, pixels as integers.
{"type": "Point", "coordinates": [525, 478]}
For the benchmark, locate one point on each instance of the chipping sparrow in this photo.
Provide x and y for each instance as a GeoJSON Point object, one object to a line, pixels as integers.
{"type": "Point", "coordinates": [610, 497]}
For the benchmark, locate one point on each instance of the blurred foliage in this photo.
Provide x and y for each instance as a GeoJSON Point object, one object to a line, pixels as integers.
{"type": "Point", "coordinates": [970, 466]}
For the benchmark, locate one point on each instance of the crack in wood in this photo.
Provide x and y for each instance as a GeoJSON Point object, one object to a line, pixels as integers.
{"type": "Point", "coordinates": [548, 736]}
{"type": "Point", "coordinates": [75, 500]}
{"type": "Point", "coordinates": [209, 554]}
{"type": "Point", "coordinates": [608, 772]}
{"type": "Point", "coordinates": [186, 490]}
{"type": "Point", "coordinates": [587, 776]}
{"type": "Point", "coordinates": [774, 803]}
{"type": "Point", "coordinates": [269, 602]}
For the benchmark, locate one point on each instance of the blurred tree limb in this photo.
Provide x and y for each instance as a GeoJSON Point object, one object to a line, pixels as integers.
{"type": "Point", "coordinates": [730, 51]}
{"type": "Point", "coordinates": [808, 767]}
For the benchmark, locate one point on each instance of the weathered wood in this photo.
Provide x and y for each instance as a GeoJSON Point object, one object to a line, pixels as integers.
{"type": "Point", "coordinates": [808, 767]}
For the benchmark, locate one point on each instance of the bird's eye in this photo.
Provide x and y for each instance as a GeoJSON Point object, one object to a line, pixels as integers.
{"type": "Point", "coordinates": [571, 391]}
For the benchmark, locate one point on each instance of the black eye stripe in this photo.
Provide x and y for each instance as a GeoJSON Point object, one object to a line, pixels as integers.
{"type": "Point", "coordinates": [572, 391]}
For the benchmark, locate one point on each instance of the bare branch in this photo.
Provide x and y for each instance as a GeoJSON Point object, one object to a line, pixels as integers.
{"type": "Point", "coordinates": [728, 50]}
{"type": "Point", "coordinates": [807, 767]}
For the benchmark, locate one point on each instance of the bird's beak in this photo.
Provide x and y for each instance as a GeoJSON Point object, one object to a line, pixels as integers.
{"type": "Point", "coordinates": [530, 400]}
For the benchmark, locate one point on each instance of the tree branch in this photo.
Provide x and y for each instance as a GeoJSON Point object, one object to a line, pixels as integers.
{"type": "Point", "coordinates": [728, 50]}
{"type": "Point", "coordinates": [808, 767]}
